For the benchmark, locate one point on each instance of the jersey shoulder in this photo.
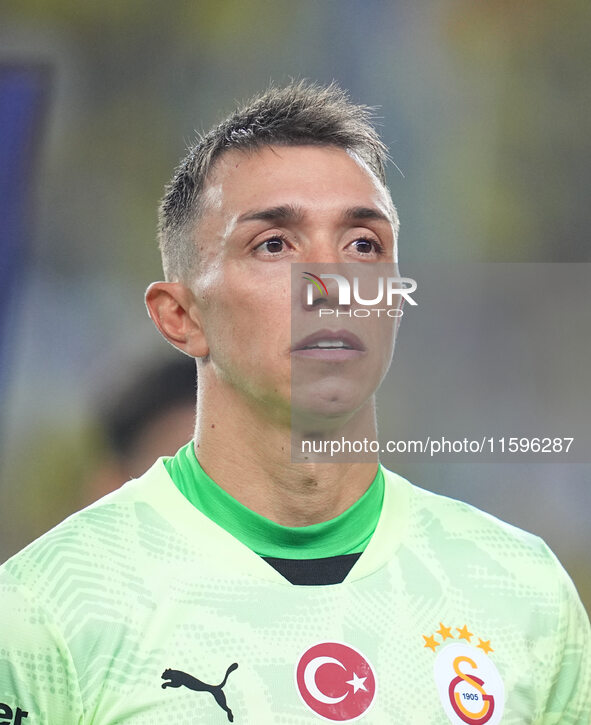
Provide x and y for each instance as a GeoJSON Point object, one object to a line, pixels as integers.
{"type": "Point", "coordinates": [434, 514]}
{"type": "Point", "coordinates": [97, 548]}
{"type": "Point", "coordinates": [466, 543]}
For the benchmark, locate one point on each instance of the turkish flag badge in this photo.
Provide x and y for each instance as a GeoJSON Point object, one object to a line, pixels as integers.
{"type": "Point", "coordinates": [335, 681]}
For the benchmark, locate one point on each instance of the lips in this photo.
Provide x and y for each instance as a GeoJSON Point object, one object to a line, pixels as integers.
{"type": "Point", "coordinates": [330, 340]}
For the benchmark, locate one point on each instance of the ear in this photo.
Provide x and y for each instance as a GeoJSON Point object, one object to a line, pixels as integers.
{"type": "Point", "coordinates": [173, 310]}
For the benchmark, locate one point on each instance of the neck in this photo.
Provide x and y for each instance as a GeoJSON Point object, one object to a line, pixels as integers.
{"type": "Point", "coordinates": [250, 456]}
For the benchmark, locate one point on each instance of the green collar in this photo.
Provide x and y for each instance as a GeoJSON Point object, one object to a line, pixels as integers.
{"type": "Point", "coordinates": [348, 533]}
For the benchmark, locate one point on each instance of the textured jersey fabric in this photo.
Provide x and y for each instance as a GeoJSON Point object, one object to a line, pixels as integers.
{"type": "Point", "coordinates": [141, 610]}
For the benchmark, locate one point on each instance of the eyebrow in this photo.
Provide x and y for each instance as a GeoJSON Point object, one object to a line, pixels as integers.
{"type": "Point", "coordinates": [282, 213]}
{"type": "Point", "coordinates": [365, 212]}
{"type": "Point", "coordinates": [293, 214]}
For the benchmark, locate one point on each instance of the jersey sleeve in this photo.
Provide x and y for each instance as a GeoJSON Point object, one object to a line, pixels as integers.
{"type": "Point", "coordinates": [38, 682]}
{"type": "Point", "coordinates": [569, 701]}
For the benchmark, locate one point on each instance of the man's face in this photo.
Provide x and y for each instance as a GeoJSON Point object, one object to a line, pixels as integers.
{"type": "Point", "coordinates": [263, 211]}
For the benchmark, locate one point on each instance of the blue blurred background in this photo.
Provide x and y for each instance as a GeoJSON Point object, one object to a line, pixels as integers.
{"type": "Point", "coordinates": [485, 107]}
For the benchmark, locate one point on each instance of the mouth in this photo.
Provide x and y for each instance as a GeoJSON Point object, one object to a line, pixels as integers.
{"type": "Point", "coordinates": [331, 345]}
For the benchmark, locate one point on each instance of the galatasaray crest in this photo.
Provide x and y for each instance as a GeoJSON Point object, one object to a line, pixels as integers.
{"type": "Point", "coordinates": [469, 685]}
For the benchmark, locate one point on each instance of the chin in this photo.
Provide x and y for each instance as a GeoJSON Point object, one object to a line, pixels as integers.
{"type": "Point", "coordinates": [325, 411]}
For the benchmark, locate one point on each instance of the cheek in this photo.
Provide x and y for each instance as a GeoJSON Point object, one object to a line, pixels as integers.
{"type": "Point", "coordinates": [252, 323]}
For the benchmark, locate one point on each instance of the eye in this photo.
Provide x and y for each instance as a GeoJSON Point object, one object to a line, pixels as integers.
{"type": "Point", "coordinates": [366, 245]}
{"type": "Point", "coordinates": [272, 246]}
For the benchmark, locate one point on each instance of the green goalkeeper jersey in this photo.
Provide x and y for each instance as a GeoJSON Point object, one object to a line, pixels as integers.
{"type": "Point", "coordinates": [141, 610]}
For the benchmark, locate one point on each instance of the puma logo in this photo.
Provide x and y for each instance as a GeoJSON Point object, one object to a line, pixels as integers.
{"type": "Point", "coordinates": [178, 678]}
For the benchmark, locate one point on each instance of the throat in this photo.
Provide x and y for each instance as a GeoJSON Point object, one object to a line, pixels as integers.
{"type": "Point", "coordinates": [346, 533]}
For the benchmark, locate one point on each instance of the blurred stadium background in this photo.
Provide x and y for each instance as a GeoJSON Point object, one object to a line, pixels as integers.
{"type": "Point", "coordinates": [485, 107]}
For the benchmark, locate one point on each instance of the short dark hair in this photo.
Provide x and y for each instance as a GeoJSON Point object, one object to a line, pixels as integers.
{"type": "Point", "coordinates": [301, 113]}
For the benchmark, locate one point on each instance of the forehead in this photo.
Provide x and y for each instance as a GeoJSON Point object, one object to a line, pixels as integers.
{"type": "Point", "coordinates": [315, 178]}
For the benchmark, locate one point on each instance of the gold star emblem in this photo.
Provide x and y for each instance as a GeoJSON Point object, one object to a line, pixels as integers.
{"type": "Point", "coordinates": [444, 632]}
{"type": "Point", "coordinates": [430, 642]}
{"type": "Point", "coordinates": [485, 645]}
{"type": "Point", "coordinates": [464, 633]}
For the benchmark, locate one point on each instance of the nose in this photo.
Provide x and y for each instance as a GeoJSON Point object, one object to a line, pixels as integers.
{"type": "Point", "coordinates": [322, 256]}
{"type": "Point", "coordinates": [315, 292]}
{"type": "Point", "coordinates": [323, 285]}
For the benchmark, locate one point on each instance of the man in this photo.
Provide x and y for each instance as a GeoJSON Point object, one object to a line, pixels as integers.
{"type": "Point", "coordinates": [234, 583]}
